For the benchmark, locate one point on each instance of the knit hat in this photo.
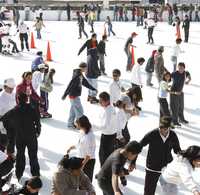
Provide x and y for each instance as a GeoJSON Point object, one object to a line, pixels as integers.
{"type": "Point", "coordinates": [10, 83]}
{"type": "Point", "coordinates": [41, 66]}
{"type": "Point", "coordinates": [161, 48]}
{"type": "Point", "coordinates": [165, 122]}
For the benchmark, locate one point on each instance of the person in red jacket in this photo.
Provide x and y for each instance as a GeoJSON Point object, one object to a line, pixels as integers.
{"type": "Point", "coordinates": [26, 87]}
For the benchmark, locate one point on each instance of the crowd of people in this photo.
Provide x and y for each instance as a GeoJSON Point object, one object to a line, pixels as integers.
{"type": "Point", "coordinates": [23, 106]}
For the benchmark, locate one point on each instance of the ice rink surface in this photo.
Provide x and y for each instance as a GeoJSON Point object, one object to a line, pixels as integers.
{"type": "Point", "coordinates": [56, 137]}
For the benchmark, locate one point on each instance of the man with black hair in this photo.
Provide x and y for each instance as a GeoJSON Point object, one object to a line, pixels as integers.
{"type": "Point", "coordinates": [31, 187]}
{"type": "Point", "coordinates": [186, 27]}
{"type": "Point", "coordinates": [26, 122]}
{"type": "Point", "coordinates": [108, 127]}
{"type": "Point", "coordinates": [74, 90]}
{"type": "Point", "coordinates": [179, 78]}
{"type": "Point", "coordinates": [37, 61]}
{"type": "Point", "coordinates": [81, 25]}
{"type": "Point", "coordinates": [113, 168]}
{"type": "Point", "coordinates": [101, 53]}
{"type": "Point", "coordinates": [161, 141]}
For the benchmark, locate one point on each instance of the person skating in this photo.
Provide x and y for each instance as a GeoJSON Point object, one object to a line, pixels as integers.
{"type": "Point", "coordinates": [74, 90]}
{"type": "Point", "coordinates": [8, 102]}
{"type": "Point", "coordinates": [86, 146]}
{"type": "Point", "coordinates": [159, 64]}
{"type": "Point", "coordinates": [37, 61]}
{"type": "Point", "coordinates": [46, 88]}
{"type": "Point", "coordinates": [114, 168]}
{"type": "Point", "coordinates": [109, 23]}
{"type": "Point", "coordinates": [68, 8]}
{"type": "Point", "coordinates": [180, 170]}
{"type": "Point", "coordinates": [186, 27]}
{"type": "Point", "coordinates": [26, 122]}
{"type": "Point", "coordinates": [161, 141]}
{"type": "Point", "coordinates": [164, 89]}
{"type": "Point", "coordinates": [179, 78]}
{"type": "Point", "coordinates": [93, 71]}
{"type": "Point", "coordinates": [127, 50]}
{"type": "Point", "coordinates": [92, 17]}
{"type": "Point", "coordinates": [38, 27]}
{"type": "Point", "coordinates": [151, 25]}
{"type": "Point", "coordinates": [150, 68]}
{"type": "Point", "coordinates": [108, 127]}
{"type": "Point", "coordinates": [101, 53]}
{"type": "Point", "coordinates": [70, 178]}
{"type": "Point", "coordinates": [81, 25]}
{"type": "Point", "coordinates": [23, 30]}
{"type": "Point", "coordinates": [115, 86]}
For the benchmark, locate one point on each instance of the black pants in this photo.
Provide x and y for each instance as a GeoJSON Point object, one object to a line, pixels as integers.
{"type": "Point", "coordinates": [68, 16]}
{"type": "Point", "coordinates": [186, 32]}
{"type": "Point", "coordinates": [5, 169]}
{"type": "Point", "coordinates": [81, 29]}
{"type": "Point", "coordinates": [151, 180]}
{"type": "Point", "coordinates": [177, 107]}
{"type": "Point", "coordinates": [32, 146]}
{"type": "Point", "coordinates": [107, 144]}
{"type": "Point", "coordinates": [106, 186]}
{"type": "Point", "coordinates": [164, 107]}
{"type": "Point", "coordinates": [14, 49]}
{"type": "Point", "coordinates": [150, 34]}
{"type": "Point", "coordinates": [24, 38]}
{"type": "Point", "coordinates": [11, 134]}
{"type": "Point", "coordinates": [89, 168]}
{"type": "Point", "coordinates": [1, 45]}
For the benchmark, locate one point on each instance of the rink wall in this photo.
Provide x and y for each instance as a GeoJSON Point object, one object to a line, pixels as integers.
{"type": "Point", "coordinates": [60, 15]}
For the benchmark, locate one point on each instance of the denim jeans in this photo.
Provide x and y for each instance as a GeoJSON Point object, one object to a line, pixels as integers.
{"type": "Point", "coordinates": [38, 34]}
{"type": "Point", "coordinates": [110, 30]}
{"type": "Point", "coordinates": [76, 110]}
{"type": "Point", "coordinates": [168, 188]}
{"type": "Point", "coordinates": [92, 82]}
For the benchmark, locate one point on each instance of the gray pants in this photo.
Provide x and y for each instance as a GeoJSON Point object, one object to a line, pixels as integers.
{"type": "Point", "coordinates": [76, 110]}
{"type": "Point", "coordinates": [92, 82]}
{"type": "Point", "coordinates": [102, 62]}
{"type": "Point", "coordinates": [168, 188]}
{"type": "Point", "coordinates": [174, 62]}
{"type": "Point", "coordinates": [149, 78]}
{"type": "Point", "coordinates": [177, 107]}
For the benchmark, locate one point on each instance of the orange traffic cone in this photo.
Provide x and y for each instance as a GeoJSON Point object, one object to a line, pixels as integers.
{"type": "Point", "coordinates": [104, 31]}
{"type": "Point", "coordinates": [48, 56]}
{"type": "Point", "coordinates": [32, 41]}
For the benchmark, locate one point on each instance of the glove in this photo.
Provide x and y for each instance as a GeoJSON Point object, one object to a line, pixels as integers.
{"type": "Point", "coordinates": [63, 97]}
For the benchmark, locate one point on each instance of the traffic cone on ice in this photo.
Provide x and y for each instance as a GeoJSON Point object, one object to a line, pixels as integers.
{"type": "Point", "coordinates": [48, 56]}
{"type": "Point", "coordinates": [104, 31]}
{"type": "Point", "coordinates": [32, 41]}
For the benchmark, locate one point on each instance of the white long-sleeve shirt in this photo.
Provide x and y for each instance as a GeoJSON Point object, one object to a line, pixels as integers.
{"type": "Point", "coordinates": [163, 89]}
{"type": "Point", "coordinates": [7, 102]}
{"type": "Point", "coordinates": [86, 145]}
{"type": "Point", "coordinates": [136, 75]}
{"type": "Point", "coordinates": [180, 171]}
{"type": "Point", "coordinates": [36, 79]}
{"type": "Point", "coordinates": [115, 91]}
{"type": "Point", "coordinates": [121, 122]}
{"type": "Point", "coordinates": [23, 28]}
{"type": "Point", "coordinates": [109, 121]}
{"type": "Point", "coordinates": [176, 50]}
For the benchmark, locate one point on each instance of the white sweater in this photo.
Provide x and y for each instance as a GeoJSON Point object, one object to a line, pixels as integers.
{"type": "Point", "coordinates": [136, 75]}
{"type": "Point", "coordinates": [176, 50]}
{"type": "Point", "coordinates": [180, 171]}
{"type": "Point", "coordinates": [121, 122]}
{"type": "Point", "coordinates": [36, 79]}
{"type": "Point", "coordinates": [115, 91]}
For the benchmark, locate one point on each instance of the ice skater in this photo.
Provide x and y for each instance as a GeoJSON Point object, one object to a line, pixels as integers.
{"type": "Point", "coordinates": [38, 27]}
{"type": "Point", "coordinates": [23, 30]}
{"type": "Point", "coordinates": [81, 25]}
{"type": "Point", "coordinates": [109, 23]}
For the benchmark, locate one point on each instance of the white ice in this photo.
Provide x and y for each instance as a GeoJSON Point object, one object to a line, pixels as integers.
{"type": "Point", "coordinates": [56, 137]}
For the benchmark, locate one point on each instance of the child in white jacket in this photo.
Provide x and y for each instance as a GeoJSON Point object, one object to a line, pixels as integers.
{"type": "Point", "coordinates": [180, 171]}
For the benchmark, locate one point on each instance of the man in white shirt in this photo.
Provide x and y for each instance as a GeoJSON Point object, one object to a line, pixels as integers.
{"type": "Point", "coordinates": [115, 87]}
{"type": "Point", "coordinates": [23, 30]}
{"type": "Point", "coordinates": [109, 127]}
{"type": "Point", "coordinates": [176, 50]}
{"type": "Point", "coordinates": [7, 102]}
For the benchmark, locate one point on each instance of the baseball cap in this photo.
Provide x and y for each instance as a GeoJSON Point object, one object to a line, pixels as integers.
{"type": "Point", "coordinates": [134, 34]}
{"type": "Point", "coordinates": [10, 82]}
{"type": "Point", "coordinates": [41, 66]}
